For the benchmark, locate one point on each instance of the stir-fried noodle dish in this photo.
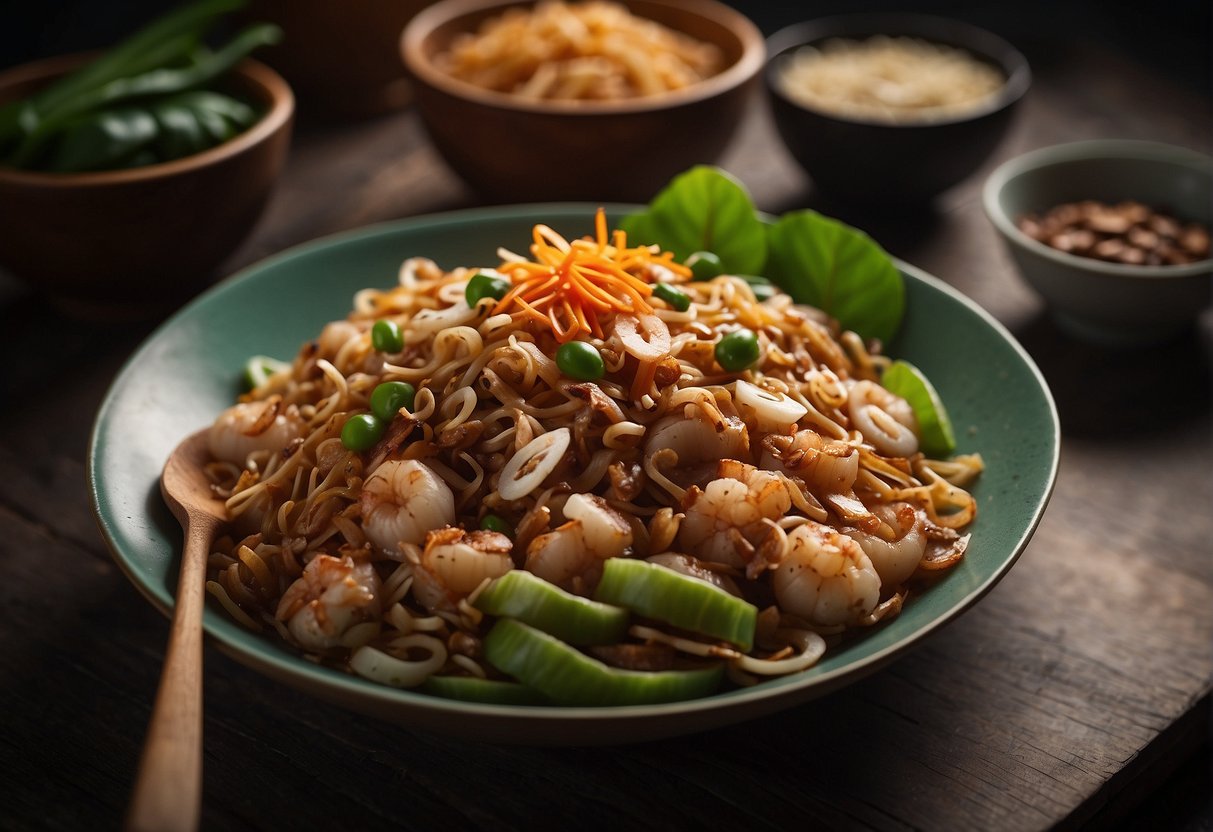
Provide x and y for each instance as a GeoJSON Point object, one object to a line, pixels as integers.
{"type": "Point", "coordinates": [581, 476]}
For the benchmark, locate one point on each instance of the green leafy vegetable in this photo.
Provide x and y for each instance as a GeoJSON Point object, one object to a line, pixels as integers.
{"type": "Point", "coordinates": [934, 427]}
{"type": "Point", "coordinates": [103, 140]}
{"type": "Point", "coordinates": [120, 110]}
{"type": "Point", "coordinates": [814, 259]}
{"type": "Point", "coordinates": [838, 269]}
{"type": "Point", "coordinates": [703, 209]}
{"type": "Point", "coordinates": [167, 40]}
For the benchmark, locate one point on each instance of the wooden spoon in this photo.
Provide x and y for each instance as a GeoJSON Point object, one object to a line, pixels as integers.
{"type": "Point", "coordinates": [168, 789]}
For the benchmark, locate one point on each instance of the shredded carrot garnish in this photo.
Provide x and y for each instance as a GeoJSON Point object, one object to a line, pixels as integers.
{"type": "Point", "coordinates": [570, 284]}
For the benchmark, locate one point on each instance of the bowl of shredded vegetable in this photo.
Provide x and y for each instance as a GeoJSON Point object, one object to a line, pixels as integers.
{"type": "Point", "coordinates": [129, 175]}
{"type": "Point", "coordinates": [599, 100]}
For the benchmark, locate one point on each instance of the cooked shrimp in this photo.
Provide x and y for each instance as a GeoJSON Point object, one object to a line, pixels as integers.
{"type": "Point", "coordinates": [697, 440]}
{"type": "Point", "coordinates": [571, 555]}
{"type": "Point", "coordinates": [254, 426]}
{"type": "Point", "coordinates": [402, 501]}
{"type": "Point", "coordinates": [885, 420]}
{"type": "Point", "coordinates": [827, 466]}
{"type": "Point", "coordinates": [825, 578]}
{"type": "Point", "coordinates": [895, 554]}
{"type": "Point", "coordinates": [725, 521]}
{"type": "Point", "coordinates": [455, 562]}
{"type": "Point", "coordinates": [332, 595]}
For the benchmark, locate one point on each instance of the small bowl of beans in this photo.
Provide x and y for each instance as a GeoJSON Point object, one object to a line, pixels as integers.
{"type": "Point", "coordinates": [891, 110]}
{"type": "Point", "coordinates": [1112, 234]}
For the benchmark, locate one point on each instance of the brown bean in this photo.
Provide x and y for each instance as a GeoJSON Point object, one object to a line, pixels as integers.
{"type": "Point", "coordinates": [1195, 241]}
{"type": "Point", "coordinates": [1128, 232]}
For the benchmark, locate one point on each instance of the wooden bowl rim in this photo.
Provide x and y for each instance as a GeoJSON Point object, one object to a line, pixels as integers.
{"type": "Point", "coordinates": [747, 66]}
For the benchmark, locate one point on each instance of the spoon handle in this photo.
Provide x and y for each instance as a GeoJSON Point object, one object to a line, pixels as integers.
{"type": "Point", "coordinates": [168, 789]}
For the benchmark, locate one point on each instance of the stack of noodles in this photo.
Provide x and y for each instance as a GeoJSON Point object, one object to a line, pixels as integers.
{"type": "Point", "coordinates": [796, 482]}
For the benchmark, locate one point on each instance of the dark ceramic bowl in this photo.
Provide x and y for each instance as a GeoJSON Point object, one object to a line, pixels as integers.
{"type": "Point", "coordinates": [518, 150]}
{"type": "Point", "coordinates": [129, 243]}
{"type": "Point", "coordinates": [1108, 304]}
{"type": "Point", "coordinates": [874, 163]}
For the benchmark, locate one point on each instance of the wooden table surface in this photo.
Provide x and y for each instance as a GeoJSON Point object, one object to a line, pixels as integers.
{"type": "Point", "coordinates": [1075, 694]}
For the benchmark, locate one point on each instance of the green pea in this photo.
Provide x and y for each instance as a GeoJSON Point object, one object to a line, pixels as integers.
{"type": "Point", "coordinates": [580, 360]}
{"type": "Point", "coordinates": [493, 523]}
{"type": "Point", "coordinates": [386, 336]}
{"type": "Point", "coordinates": [704, 265]}
{"type": "Point", "coordinates": [672, 295]}
{"type": "Point", "coordinates": [389, 397]}
{"type": "Point", "coordinates": [483, 286]}
{"type": "Point", "coordinates": [361, 432]}
{"type": "Point", "coordinates": [737, 350]}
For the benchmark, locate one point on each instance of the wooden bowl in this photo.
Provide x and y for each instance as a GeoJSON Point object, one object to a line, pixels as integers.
{"type": "Point", "coordinates": [516, 149]}
{"type": "Point", "coordinates": [127, 242]}
{"type": "Point", "coordinates": [342, 59]}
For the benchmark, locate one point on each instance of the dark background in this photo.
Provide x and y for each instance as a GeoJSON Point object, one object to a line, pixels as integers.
{"type": "Point", "coordinates": [1173, 36]}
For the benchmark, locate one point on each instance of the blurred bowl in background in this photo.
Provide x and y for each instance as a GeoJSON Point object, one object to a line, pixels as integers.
{"type": "Point", "coordinates": [876, 162]}
{"type": "Point", "coordinates": [341, 58]}
{"type": "Point", "coordinates": [126, 243]}
{"type": "Point", "coordinates": [518, 149]}
{"type": "Point", "coordinates": [1098, 301]}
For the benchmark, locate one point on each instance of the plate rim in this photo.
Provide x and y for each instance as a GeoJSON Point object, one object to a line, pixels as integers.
{"type": "Point", "coordinates": [733, 706]}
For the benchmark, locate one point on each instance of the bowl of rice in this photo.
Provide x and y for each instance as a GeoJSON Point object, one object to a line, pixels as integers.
{"type": "Point", "coordinates": [891, 109]}
{"type": "Point", "coordinates": [598, 100]}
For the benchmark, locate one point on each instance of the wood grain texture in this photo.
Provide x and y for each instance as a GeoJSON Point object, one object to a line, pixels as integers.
{"type": "Point", "coordinates": [1048, 704]}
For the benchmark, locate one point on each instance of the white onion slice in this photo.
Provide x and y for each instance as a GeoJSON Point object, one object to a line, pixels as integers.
{"type": "Point", "coordinates": [869, 407]}
{"type": "Point", "coordinates": [774, 411]}
{"type": "Point", "coordinates": [532, 464]}
{"type": "Point", "coordinates": [400, 673]}
{"type": "Point", "coordinates": [646, 337]}
{"type": "Point", "coordinates": [812, 647]}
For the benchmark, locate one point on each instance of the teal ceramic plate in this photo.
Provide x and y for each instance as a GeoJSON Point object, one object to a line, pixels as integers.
{"type": "Point", "coordinates": [188, 371]}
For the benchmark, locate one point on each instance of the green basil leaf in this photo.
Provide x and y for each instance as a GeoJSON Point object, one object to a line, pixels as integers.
{"type": "Point", "coordinates": [103, 141]}
{"type": "Point", "coordinates": [838, 269]}
{"type": "Point", "coordinates": [180, 133]}
{"type": "Point", "coordinates": [239, 114]}
{"type": "Point", "coordinates": [214, 126]}
{"type": "Point", "coordinates": [703, 209]}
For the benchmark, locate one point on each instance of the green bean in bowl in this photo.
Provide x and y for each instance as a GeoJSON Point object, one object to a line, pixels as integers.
{"type": "Point", "coordinates": [159, 95]}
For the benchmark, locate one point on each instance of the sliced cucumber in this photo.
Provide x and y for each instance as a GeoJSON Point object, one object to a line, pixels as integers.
{"type": "Point", "coordinates": [658, 592]}
{"type": "Point", "coordinates": [475, 689]}
{"type": "Point", "coordinates": [529, 598]}
{"type": "Point", "coordinates": [569, 677]}
{"type": "Point", "coordinates": [934, 427]}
